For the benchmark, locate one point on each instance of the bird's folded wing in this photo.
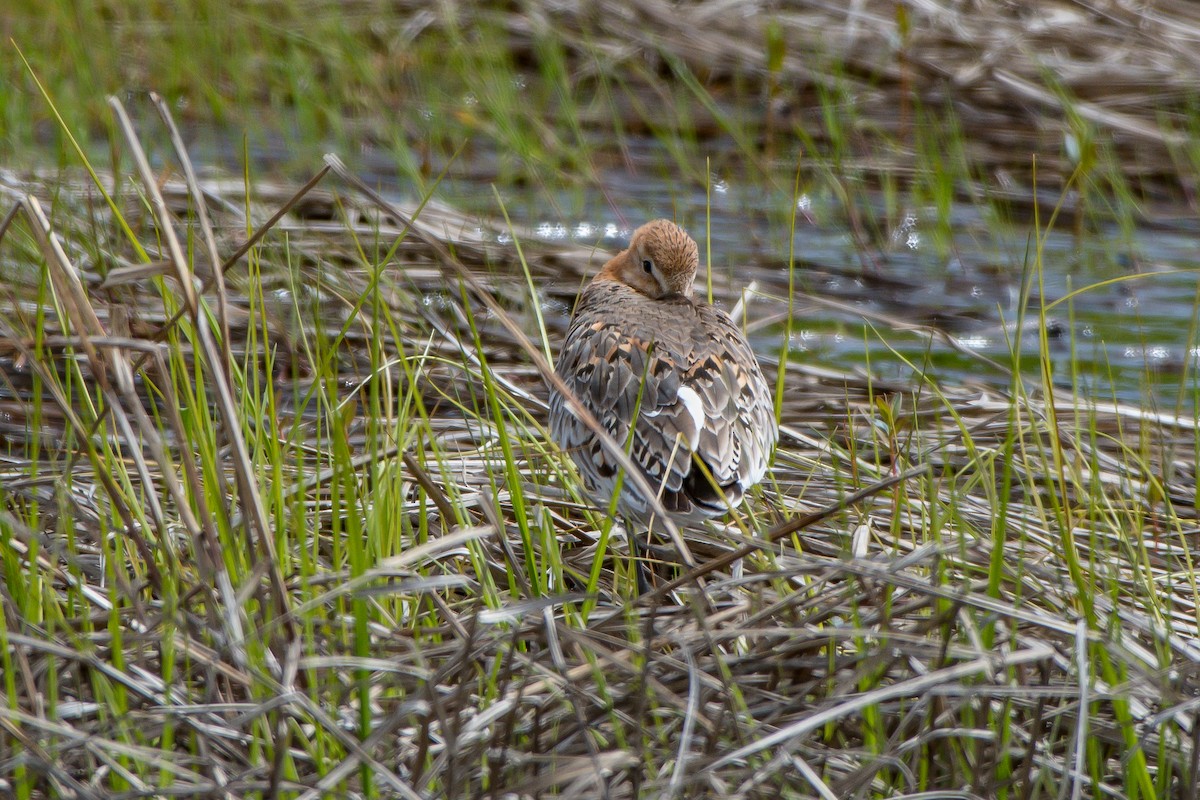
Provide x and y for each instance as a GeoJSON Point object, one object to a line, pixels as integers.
{"type": "Point", "coordinates": [619, 377]}
{"type": "Point", "coordinates": [739, 431]}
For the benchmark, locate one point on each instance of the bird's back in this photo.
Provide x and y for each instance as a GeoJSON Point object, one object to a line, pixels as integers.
{"type": "Point", "coordinates": [684, 371]}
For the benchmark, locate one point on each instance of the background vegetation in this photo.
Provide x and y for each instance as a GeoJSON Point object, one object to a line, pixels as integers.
{"type": "Point", "coordinates": [278, 513]}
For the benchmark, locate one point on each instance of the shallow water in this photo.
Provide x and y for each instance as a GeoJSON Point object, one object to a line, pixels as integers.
{"type": "Point", "coordinates": [861, 285]}
{"type": "Point", "coordinates": [1130, 339]}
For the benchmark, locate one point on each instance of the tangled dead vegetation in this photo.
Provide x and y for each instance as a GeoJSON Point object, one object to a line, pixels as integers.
{"type": "Point", "coordinates": [1053, 79]}
{"type": "Point", "coordinates": [303, 533]}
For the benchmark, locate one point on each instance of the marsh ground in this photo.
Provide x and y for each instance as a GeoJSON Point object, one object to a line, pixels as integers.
{"type": "Point", "coordinates": [303, 533]}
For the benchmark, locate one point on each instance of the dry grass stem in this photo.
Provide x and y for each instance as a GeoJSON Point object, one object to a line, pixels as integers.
{"type": "Point", "coordinates": [303, 528]}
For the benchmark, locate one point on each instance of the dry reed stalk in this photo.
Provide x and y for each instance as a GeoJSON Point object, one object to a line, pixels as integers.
{"type": "Point", "coordinates": [765, 692]}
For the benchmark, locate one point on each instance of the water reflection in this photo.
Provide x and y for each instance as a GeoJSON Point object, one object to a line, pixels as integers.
{"type": "Point", "coordinates": [867, 276]}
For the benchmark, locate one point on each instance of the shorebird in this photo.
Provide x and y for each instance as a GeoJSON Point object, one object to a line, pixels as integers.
{"type": "Point", "coordinates": [671, 379]}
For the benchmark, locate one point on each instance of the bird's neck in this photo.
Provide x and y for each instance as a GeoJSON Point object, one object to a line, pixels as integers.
{"type": "Point", "coordinates": [611, 271]}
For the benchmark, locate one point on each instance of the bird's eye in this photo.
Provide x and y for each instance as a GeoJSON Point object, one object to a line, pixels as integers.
{"type": "Point", "coordinates": [648, 266]}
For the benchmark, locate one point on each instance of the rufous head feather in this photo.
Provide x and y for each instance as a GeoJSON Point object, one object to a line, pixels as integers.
{"type": "Point", "coordinates": [661, 260]}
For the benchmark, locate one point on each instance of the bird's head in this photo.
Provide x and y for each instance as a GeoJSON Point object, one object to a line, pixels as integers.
{"type": "Point", "coordinates": [661, 260]}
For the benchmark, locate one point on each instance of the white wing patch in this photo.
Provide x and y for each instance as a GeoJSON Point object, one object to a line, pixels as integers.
{"type": "Point", "coordinates": [695, 409]}
{"type": "Point", "coordinates": [756, 475]}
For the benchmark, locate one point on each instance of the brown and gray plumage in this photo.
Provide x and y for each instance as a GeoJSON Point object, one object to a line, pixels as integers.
{"type": "Point", "coordinates": [641, 344]}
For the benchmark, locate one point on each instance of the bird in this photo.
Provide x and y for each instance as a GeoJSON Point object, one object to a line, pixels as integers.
{"type": "Point", "coordinates": [671, 378]}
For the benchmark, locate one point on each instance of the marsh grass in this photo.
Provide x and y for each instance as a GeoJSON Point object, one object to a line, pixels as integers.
{"type": "Point", "coordinates": [426, 605]}
{"type": "Point", "coordinates": [545, 94]}
{"type": "Point", "coordinates": [306, 535]}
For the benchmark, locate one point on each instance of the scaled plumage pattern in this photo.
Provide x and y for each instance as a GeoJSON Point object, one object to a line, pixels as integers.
{"type": "Point", "coordinates": [640, 345]}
